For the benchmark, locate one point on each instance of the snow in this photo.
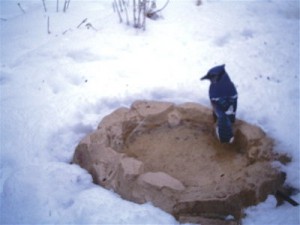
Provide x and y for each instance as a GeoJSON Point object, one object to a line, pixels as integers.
{"type": "Point", "coordinates": [56, 87]}
{"type": "Point", "coordinates": [267, 213]}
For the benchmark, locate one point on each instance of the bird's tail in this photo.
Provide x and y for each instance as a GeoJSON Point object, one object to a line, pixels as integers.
{"type": "Point", "coordinates": [224, 129]}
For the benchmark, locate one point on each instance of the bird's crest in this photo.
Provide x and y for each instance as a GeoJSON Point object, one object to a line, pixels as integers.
{"type": "Point", "coordinates": [215, 73]}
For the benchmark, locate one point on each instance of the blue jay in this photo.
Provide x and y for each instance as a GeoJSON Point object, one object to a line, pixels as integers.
{"type": "Point", "coordinates": [223, 97]}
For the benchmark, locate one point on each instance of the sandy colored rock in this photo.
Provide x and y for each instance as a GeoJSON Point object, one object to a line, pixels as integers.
{"type": "Point", "coordinates": [131, 167]}
{"type": "Point", "coordinates": [160, 180]}
{"type": "Point", "coordinates": [168, 154]}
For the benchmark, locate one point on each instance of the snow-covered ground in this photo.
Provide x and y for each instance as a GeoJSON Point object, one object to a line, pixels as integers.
{"type": "Point", "coordinates": [57, 87]}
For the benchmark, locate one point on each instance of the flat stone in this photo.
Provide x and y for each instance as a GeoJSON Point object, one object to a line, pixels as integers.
{"type": "Point", "coordinates": [132, 167]}
{"type": "Point", "coordinates": [161, 180]}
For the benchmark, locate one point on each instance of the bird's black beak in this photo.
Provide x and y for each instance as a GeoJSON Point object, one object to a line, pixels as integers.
{"type": "Point", "coordinates": [205, 77]}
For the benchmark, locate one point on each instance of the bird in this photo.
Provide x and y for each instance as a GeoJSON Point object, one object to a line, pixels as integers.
{"type": "Point", "coordinates": [223, 97]}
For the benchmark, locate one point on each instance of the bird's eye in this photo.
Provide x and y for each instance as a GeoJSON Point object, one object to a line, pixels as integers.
{"type": "Point", "coordinates": [214, 78]}
{"type": "Point", "coordinates": [217, 77]}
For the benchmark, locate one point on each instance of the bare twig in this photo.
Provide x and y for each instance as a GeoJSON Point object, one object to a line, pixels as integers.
{"type": "Point", "coordinates": [66, 5]}
{"type": "Point", "coordinates": [134, 14]}
{"type": "Point", "coordinates": [82, 22]}
{"type": "Point", "coordinates": [19, 4]}
{"type": "Point", "coordinates": [57, 5]}
{"type": "Point", "coordinates": [151, 14]}
{"type": "Point", "coordinates": [48, 25]}
{"type": "Point", "coordinates": [139, 14]}
{"type": "Point", "coordinates": [120, 5]}
{"type": "Point", "coordinates": [144, 15]}
{"type": "Point", "coordinates": [126, 11]}
{"type": "Point", "coordinates": [89, 25]}
{"type": "Point", "coordinates": [113, 5]}
{"type": "Point", "coordinates": [44, 4]}
{"type": "Point", "coordinates": [66, 31]}
{"type": "Point", "coordinates": [141, 10]}
{"type": "Point", "coordinates": [118, 11]}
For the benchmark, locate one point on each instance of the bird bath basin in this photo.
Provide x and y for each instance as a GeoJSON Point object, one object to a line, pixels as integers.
{"type": "Point", "coordinates": [168, 154]}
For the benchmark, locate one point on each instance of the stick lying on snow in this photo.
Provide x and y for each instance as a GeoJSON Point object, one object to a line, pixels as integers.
{"type": "Point", "coordinates": [280, 194]}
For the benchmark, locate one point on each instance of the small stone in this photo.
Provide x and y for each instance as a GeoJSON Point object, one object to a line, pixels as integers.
{"type": "Point", "coordinates": [160, 180]}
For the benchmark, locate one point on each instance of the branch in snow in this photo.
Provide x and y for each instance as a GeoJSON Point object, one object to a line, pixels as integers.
{"type": "Point", "coordinates": [82, 22]}
{"type": "Point", "coordinates": [114, 8]}
{"type": "Point", "coordinates": [48, 25]}
{"type": "Point", "coordinates": [19, 4]}
{"type": "Point", "coordinates": [44, 4]}
{"type": "Point", "coordinates": [144, 15]}
{"type": "Point", "coordinates": [153, 14]}
{"type": "Point", "coordinates": [139, 14]}
{"type": "Point", "coordinates": [90, 26]}
{"type": "Point", "coordinates": [120, 5]}
{"type": "Point", "coordinates": [118, 10]}
{"type": "Point", "coordinates": [126, 11]}
{"type": "Point", "coordinates": [66, 5]}
{"type": "Point", "coordinates": [134, 14]}
{"type": "Point", "coordinates": [141, 10]}
{"type": "Point", "coordinates": [63, 33]}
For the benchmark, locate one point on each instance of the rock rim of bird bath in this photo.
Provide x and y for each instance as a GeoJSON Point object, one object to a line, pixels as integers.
{"type": "Point", "coordinates": [169, 155]}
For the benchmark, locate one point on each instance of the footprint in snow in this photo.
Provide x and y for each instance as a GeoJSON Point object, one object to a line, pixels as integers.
{"type": "Point", "coordinates": [82, 56]}
{"type": "Point", "coordinates": [4, 78]}
{"type": "Point", "coordinates": [222, 40]}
